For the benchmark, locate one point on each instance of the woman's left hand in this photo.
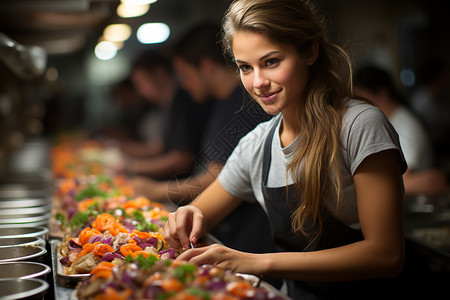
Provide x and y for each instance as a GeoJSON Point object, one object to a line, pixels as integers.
{"type": "Point", "coordinates": [226, 258]}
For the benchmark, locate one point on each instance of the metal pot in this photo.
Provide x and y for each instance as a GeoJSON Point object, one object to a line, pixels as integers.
{"type": "Point", "coordinates": [19, 253]}
{"type": "Point", "coordinates": [13, 231]}
{"type": "Point", "coordinates": [23, 289]}
{"type": "Point", "coordinates": [22, 241]}
{"type": "Point", "coordinates": [23, 270]}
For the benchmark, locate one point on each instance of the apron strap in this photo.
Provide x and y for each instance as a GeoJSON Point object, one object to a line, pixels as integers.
{"type": "Point", "coordinates": [267, 157]}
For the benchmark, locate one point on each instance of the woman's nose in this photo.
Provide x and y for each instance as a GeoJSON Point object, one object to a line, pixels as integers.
{"type": "Point", "coordinates": [259, 80]}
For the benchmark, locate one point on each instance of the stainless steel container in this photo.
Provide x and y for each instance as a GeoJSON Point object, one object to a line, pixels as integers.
{"type": "Point", "coordinates": [16, 190]}
{"type": "Point", "coordinates": [41, 219]}
{"type": "Point", "coordinates": [23, 270]}
{"type": "Point", "coordinates": [22, 241]}
{"type": "Point", "coordinates": [25, 210]}
{"type": "Point", "coordinates": [20, 253]}
{"type": "Point", "coordinates": [28, 289]}
{"type": "Point", "coordinates": [22, 203]}
{"type": "Point", "coordinates": [13, 231]}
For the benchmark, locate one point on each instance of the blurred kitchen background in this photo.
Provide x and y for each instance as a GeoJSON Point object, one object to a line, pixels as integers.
{"type": "Point", "coordinates": [67, 54]}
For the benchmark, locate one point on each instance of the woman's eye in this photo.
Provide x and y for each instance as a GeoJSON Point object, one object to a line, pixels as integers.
{"type": "Point", "coordinates": [244, 68]}
{"type": "Point", "coordinates": [272, 61]}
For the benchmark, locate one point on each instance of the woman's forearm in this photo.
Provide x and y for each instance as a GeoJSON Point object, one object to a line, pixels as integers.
{"type": "Point", "coordinates": [360, 260]}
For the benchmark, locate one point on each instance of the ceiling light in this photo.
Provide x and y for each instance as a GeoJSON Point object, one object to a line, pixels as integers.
{"type": "Point", "coordinates": [117, 32]}
{"type": "Point", "coordinates": [131, 11]}
{"type": "Point", "coordinates": [105, 50]}
{"type": "Point", "coordinates": [153, 33]}
{"type": "Point", "coordinates": [137, 2]}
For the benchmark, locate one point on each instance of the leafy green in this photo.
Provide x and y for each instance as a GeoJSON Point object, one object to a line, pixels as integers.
{"type": "Point", "coordinates": [82, 218]}
{"type": "Point", "coordinates": [143, 225]}
{"type": "Point", "coordinates": [183, 272]}
{"type": "Point", "coordinates": [146, 262]}
{"type": "Point", "coordinates": [89, 192]}
{"type": "Point", "coordinates": [198, 292]}
{"type": "Point", "coordinates": [60, 217]}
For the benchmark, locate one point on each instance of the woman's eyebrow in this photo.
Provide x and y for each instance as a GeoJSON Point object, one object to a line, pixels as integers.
{"type": "Point", "coordinates": [261, 58]}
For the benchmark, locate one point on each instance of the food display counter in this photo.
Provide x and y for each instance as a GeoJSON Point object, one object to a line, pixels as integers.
{"type": "Point", "coordinates": [64, 215]}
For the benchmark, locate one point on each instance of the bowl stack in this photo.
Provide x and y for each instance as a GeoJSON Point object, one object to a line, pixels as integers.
{"type": "Point", "coordinates": [25, 209]}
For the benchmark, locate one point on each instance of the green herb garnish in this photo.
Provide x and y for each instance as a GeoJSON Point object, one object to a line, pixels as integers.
{"type": "Point", "coordinates": [198, 292]}
{"type": "Point", "coordinates": [90, 191]}
{"type": "Point", "coordinates": [183, 272]}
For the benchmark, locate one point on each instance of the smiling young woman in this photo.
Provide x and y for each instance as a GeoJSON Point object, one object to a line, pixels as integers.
{"type": "Point", "coordinates": [326, 168]}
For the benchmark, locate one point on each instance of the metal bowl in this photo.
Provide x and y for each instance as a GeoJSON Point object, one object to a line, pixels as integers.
{"type": "Point", "coordinates": [23, 270]}
{"type": "Point", "coordinates": [13, 231]}
{"type": "Point", "coordinates": [36, 219]}
{"type": "Point", "coordinates": [16, 190]}
{"type": "Point", "coordinates": [22, 203]}
{"type": "Point", "coordinates": [25, 210]}
{"type": "Point", "coordinates": [22, 241]}
{"type": "Point", "coordinates": [23, 289]}
{"type": "Point", "coordinates": [19, 253]}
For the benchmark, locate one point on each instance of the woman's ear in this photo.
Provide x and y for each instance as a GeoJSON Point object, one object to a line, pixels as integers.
{"type": "Point", "coordinates": [312, 53]}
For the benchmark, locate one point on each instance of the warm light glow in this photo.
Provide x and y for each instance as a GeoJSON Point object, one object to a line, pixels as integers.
{"type": "Point", "coordinates": [51, 74]}
{"type": "Point", "coordinates": [105, 50]}
{"type": "Point", "coordinates": [137, 2]}
{"type": "Point", "coordinates": [153, 33]}
{"type": "Point", "coordinates": [117, 32]}
{"type": "Point", "coordinates": [131, 11]}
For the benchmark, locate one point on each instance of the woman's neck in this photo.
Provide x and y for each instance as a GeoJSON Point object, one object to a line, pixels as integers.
{"type": "Point", "coordinates": [289, 128]}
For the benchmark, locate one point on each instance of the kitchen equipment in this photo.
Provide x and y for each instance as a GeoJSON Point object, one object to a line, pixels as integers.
{"type": "Point", "coordinates": [23, 270]}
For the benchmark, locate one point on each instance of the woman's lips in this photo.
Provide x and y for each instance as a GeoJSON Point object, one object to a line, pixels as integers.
{"type": "Point", "coordinates": [267, 97]}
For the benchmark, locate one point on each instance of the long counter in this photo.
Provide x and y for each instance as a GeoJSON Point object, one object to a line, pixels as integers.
{"type": "Point", "coordinates": [26, 193]}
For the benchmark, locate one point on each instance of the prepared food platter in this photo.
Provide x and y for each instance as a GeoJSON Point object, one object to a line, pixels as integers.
{"type": "Point", "coordinates": [107, 242]}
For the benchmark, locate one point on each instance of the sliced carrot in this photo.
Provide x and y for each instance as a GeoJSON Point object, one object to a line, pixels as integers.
{"type": "Point", "coordinates": [86, 234]}
{"type": "Point", "coordinates": [89, 247]}
{"type": "Point", "coordinates": [104, 265]}
{"type": "Point", "coordinates": [171, 285]}
{"type": "Point", "coordinates": [82, 253]}
{"type": "Point", "coordinates": [112, 294]}
{"type": "Point", "coordinates": [129, 248]}
{"type": "Point", "coordinates": [184, 296]}
{"type": "Point", "coordinates": [102, 249]}
{"type": "Point", "coordinates": [105, 273]}
{"type": "Point", "coordinates": [239, 288]}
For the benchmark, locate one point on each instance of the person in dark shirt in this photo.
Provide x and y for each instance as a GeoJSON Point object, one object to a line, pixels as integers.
{"type": "Point", "coordinates": [182, 120]}
{"type": "Point", "coordinates": [205, 74]}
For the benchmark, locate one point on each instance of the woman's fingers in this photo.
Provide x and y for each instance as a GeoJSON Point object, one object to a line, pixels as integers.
{"type": "Point", "coordinates": [183, 220]}
{"type": "Point", "coordinates": [170, 232]}
{"type": "Point", "coordinates": [184, 226]}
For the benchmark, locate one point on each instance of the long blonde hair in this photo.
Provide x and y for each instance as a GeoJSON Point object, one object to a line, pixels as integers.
{"type": "Point", "coordinates": [298, 23]}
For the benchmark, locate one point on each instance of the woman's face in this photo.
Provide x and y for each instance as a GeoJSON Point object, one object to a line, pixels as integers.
{"type": "Point", "coordinates": [275, 75]}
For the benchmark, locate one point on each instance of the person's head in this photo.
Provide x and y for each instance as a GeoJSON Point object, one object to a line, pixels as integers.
{"type": "Point", "coordinates": [197, 55]}
{"type": "Point", "coordinates": [375, 85]}
{"type": "Point", "coordinates": [294, 28]}
{"type": "Point", "coordinates": [150, 73]}
{"type": "Point", "coordinates": [302, 75]}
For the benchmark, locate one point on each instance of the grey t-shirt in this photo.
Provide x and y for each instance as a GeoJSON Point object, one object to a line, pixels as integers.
{"type": "Point", "coordinates": [366, 131]}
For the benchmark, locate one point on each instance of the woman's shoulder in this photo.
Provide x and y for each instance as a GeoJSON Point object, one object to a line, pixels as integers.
{"type": "Point", "coordinates": [359, 110]}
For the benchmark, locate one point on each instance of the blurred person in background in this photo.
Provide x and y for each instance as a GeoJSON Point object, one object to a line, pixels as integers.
{"type": "Point", "coordinates": [421, 177]}
{"type": "Point", "coordinates": [431, 102]}
{"type": "Point", "coordinates": [207, 75]}
{"type": "Point", "coordinates": [131, 123]}
{"type": "Point", "coordinates": [182, 121]}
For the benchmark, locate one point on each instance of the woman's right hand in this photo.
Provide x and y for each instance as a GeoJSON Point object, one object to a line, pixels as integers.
{"type": "Point", "coordinates": [186, 224]}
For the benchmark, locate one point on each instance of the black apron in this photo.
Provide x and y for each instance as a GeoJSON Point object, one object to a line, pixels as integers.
{"type": "Point", "coordinates": [335, 233]}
